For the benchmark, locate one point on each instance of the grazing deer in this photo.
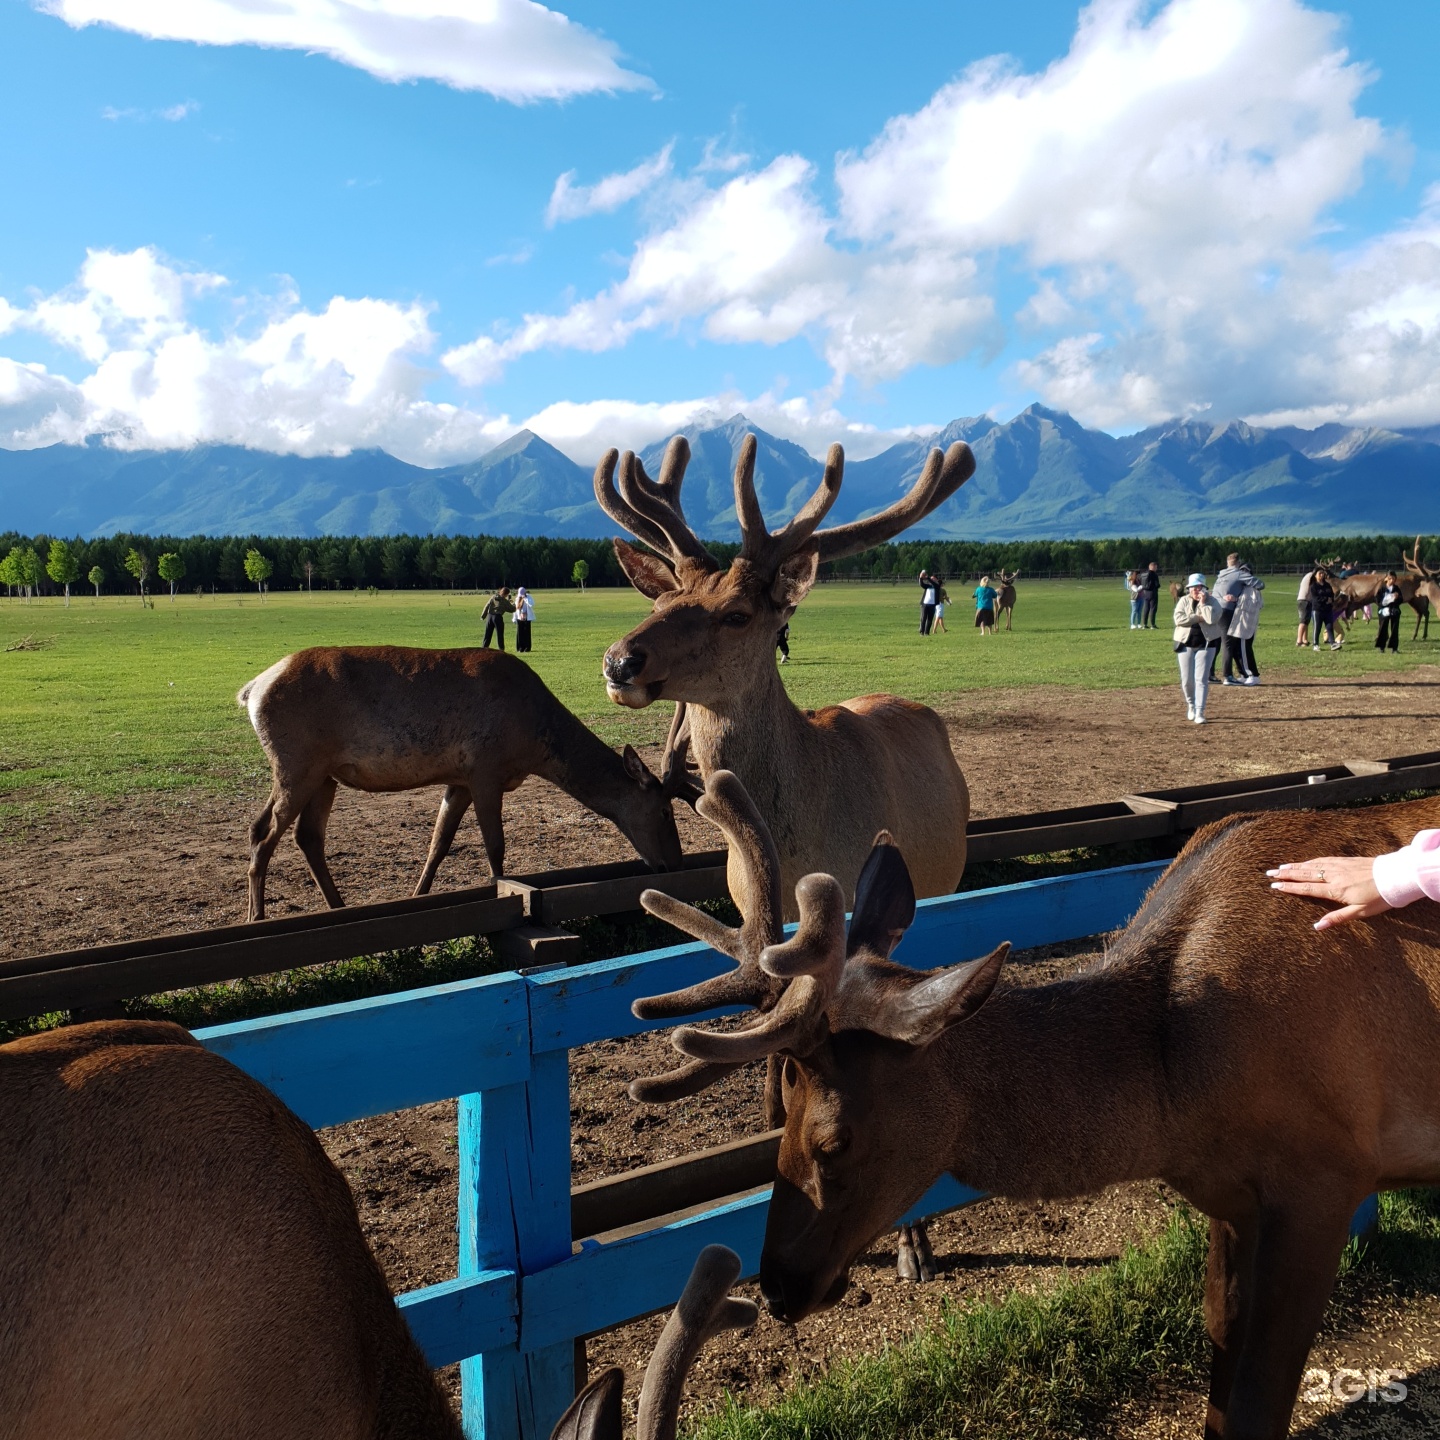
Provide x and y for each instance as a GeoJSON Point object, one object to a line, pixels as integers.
{"type": "Point", "coordinates": [1006, 602]}
{"type": "Point", "coordinates": [1272, 1075]}
{"type": "Point", "coordinates": [180, 1257]}
{"type": "Point", "coordinates": [389, 717]}
{"type": "Point", "coordinates": [821, 778]}
{"type": "Point", "coordinates": [706, 1307]}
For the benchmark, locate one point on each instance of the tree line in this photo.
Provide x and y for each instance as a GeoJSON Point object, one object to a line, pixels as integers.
{"type": "Point", "coordinates": [43, 564]}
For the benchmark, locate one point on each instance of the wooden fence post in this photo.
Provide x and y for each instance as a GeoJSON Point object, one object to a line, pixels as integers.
{"type": "Point", "coordinates": [514, 1148]}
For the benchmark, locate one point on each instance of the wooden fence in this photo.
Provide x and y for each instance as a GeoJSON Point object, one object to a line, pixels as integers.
{"type": "Point", "coordinates": [540, 1264]}
{"type": "Point", "coordinates": [524, 916]}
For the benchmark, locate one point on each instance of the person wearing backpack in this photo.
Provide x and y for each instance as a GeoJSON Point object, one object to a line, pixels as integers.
{"type": "Point", "coordinates": [497, 607]}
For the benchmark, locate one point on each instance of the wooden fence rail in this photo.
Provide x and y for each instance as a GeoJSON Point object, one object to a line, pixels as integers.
{"type": "Point", "coordinates": [523, 914]}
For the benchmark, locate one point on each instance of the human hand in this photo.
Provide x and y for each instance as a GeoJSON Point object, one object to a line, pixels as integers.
{"type": "Point", "coordinates": [1348, 881]}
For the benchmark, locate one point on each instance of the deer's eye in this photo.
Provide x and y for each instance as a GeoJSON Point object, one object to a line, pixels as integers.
{"type": "Point", "coordinates": [831, 1150]}
{"type": "Point", "coordinates": [736, 620]}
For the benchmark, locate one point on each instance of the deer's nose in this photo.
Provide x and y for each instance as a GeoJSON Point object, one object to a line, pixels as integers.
{"type": "Point", "coordinates": [621, 667]}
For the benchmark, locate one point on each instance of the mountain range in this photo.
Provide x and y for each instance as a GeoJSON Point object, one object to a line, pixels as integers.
{"type": "Point", "coordinates": [1040, 475]}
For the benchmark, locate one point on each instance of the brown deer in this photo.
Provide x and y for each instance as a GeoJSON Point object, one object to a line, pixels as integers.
{"type": "Point", "coordinates": [1272, 1075]}
{"type": "Point", "coordinates": [390, 717]}
{"type": "Point", "coordinates": [705, 1308]}
{"type": "Point", "coordinates": [821, 778]}
{"type": "Point", "coordinates": [1423, 578]}
{"type": "Point", "coordinates": [1006, 602]}
{"type": "Point", "coordinates": [181, 1258]}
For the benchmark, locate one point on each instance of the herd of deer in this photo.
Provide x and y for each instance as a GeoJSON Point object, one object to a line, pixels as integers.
{"type": "Point", "coordinates": [180, 1257]}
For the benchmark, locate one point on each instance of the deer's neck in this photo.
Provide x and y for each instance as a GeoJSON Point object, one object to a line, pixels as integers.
{"type": "Point", "coordinates": [1062, 1087]}
{"type": "Point", "coordinates": [581, 764]}
{"type": "Point", "coordinates": [758, 733]}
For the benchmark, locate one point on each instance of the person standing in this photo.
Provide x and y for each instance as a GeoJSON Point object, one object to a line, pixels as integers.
{"type": "Point", "coordinates": [1151, 582]}
{"type": "Point", "coordinates": [1241, 633]}
{"type": "Point", "coordinates": [1228, 585]}
{"type": "Point", "coordinates": [1136, 586]}
{"type": "Point", "coordinates": [1302, 610]}
{"type": "Point", "coordinates": [985, 597]}
{"type": "Point", "coordinates": [942, 599]}
{"type": "Point", "coordinates": [1322, 607]}
{"type": "Point", "coordinates": [1389, 602]}
{"type": "Point", "coordinates": [1197, 633]}
{"type": "Point", "coordinates": [928, 586]}
{"type": "Point", "coordinates": [524, 614]}
{"type": "Point", "coordinates": [782, 642]}
{"type": "Point", "coordinates": [497, 607]}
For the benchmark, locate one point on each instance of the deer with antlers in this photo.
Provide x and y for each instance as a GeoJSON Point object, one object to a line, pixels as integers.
{"type": "Point", "coordinates": [181, 1258]}
{"type": "Point", "coordinates": [820, 777]}
{"type": "Point", "coordinates": [389, 717]}
{"type": "Point", "coordinates": [1272, 1075]}
{"type": "Point", "coordinates": [1006, 600]}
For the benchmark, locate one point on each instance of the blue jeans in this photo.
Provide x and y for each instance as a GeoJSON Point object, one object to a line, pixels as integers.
{"type": "Point", "coordinates": [1195, 677]}
{"type": "Point", "coordinates": [1137, 606]}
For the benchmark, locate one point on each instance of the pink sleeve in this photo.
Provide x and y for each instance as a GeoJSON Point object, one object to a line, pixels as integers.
{"type": "Point", "coordinates": [1412, 873]}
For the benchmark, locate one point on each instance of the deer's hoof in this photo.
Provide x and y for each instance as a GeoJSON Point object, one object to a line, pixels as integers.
{"type": "Point", "coordinates": [908, 1264]}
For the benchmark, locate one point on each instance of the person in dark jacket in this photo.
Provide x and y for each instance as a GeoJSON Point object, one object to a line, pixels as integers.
{"type": "Point", "coordinates": [1150, 601]}
{"type": "Point", "coordinates": [1388, 603]}
{"type": "Point", "coordinates": [497, 607]}
{"type": "Point", "coordinates": [1322, 607]}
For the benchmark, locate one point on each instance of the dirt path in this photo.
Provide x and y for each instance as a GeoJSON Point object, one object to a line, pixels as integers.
{"type": "Point", "coordinates": [94, 872]}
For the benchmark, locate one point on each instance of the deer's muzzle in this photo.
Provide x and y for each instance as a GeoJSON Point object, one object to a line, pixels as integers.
{"type": "Point", "coordinates": [622, 667]}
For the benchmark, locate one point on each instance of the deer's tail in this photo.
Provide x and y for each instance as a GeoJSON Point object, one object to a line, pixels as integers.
{"type": "Point", "coordinates": [242, 696]}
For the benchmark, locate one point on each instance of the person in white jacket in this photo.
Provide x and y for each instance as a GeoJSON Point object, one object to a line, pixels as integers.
{"type": "Point", "coordinates": [1240, 638]}
{"type": "Point", "coordinates": [1198, 629]}
{"type": "Point", "coordinates": [1365, 887]}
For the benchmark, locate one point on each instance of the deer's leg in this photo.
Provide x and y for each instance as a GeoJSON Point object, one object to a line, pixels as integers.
{"type": "Point", "coordinates": [269, 827]}
{"type": "Point", "coordinates": [1227, 1288]}
{"type": "Point", "coordinates": [488, 799]}
{"type": "Point", "coordinates": [453, 805]}
{"type": "Point", "coordinates": [310, 837]}
{"type": "Point", "coordinates": [1297, 1252]}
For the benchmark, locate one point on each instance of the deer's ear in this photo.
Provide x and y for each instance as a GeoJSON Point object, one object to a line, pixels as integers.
{"type": "Point", "coordinates": [917, 1014]}
{"type": "Point", "coordinates": [635, 767]}
{"type": "Point", "coordinates": [795, 577]}
{"type": "Point", "coordinates": [648, 573]}
{"type": "Point", "coordinates": [594, 1414]}
{"type": "Point", "coordinates": [884, 900]}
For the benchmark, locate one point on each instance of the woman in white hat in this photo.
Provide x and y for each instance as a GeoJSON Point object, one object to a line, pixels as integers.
{"type": "Point", "coordinates": [1198, 628]}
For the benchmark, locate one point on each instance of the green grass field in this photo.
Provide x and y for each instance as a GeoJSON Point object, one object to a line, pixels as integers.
{"type": "Point", "coordinates": [118, 698]}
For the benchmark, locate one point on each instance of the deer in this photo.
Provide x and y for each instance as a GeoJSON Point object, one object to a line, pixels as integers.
{"type": "Point", "coordinates": [1006, 601]}
{"type": "Point", "coordinates": [391, 717]}
{"type": "Point", "coordinates": [1272, 1075]}
{"type": "Point", "coordinates": [820, 777]}
{"type": "Point", "coordinates": [1424, 579]}
{"type": "Point", "coordinates": [182, 1258]}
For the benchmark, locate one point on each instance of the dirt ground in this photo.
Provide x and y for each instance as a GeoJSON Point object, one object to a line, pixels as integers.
{"type": "Point", "coordinates": [95, 873]}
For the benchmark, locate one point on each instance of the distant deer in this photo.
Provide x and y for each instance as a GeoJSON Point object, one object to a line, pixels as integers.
{"type": "Point", "coordinates": [180, 1257]}
{"type": "Point", "coordinates": [820, 777]}
{"type": "Point", "coordinates": [383, 718]}
{"type": "Point", "coordinates": [705, 1308]}
{"type": "Point", "coordinates": [1423, 579]}
{"type": "Point", "coordinates": [1272, 1075]}
{"type": "Point", "coordinates": [1006, 602]}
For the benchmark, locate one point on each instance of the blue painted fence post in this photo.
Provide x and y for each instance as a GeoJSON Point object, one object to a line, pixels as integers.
{"type": "Point", "coordinates": [515, 1215]}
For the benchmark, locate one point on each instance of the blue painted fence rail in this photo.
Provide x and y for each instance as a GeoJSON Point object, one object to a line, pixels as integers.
{"type": "Point", "coordinates": [500, 1045]}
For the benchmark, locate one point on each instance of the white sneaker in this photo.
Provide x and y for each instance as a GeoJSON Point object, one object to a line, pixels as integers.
{"type": "Point", "coordinates": [1199, 719]}
{"type": "Point", "coordinates": [1335, 644]}
{"type": "Point", "coordinates": [1229, 681]}
{"type": "Point", "coordinates": [1315, 648]}
{"type": "Point", "coordinates": [1252, 679]}
{"type": "Point", "coordinates": [1189, 712]}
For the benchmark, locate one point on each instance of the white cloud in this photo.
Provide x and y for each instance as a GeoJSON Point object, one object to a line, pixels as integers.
{"type": "Point", "coordinates": [514, 49]}
{"type": "Point", "coordinates": [1169, 185]}
{"type": "Point", "coordinates": [569, 201]}
{"type": "Point", "coordinates": [171, 113]}
{"type": "Point", "coordinates": [302, 381]}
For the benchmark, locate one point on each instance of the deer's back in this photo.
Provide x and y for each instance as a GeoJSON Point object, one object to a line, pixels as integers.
{"type": "Point", "coordinates": [181, 1258]}
{"type": "Point", "coordinates": [389, 712]}
{"type": "Point", "coordinates": [1259, 1005]}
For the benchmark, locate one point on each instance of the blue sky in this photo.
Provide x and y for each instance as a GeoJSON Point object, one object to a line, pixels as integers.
{"type": "Point", "coordinates": [343, 222]}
